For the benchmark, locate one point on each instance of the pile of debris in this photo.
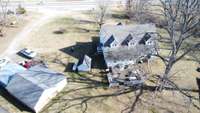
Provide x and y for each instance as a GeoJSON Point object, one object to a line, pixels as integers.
{"type": "Point", "coordinates": [132, 75]}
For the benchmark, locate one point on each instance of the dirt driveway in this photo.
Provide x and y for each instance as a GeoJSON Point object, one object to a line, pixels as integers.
{"type": "Point", "coordinates": [33, 25]}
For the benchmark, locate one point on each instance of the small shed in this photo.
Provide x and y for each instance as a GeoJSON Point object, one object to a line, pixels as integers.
{"type": "Point", "coordinates": [36, 87]}
{"type": "Point", "coordinates": [83, 65]}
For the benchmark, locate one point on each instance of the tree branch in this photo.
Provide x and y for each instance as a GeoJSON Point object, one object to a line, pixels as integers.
{"type": "Point", "coordinates": [186, 52]}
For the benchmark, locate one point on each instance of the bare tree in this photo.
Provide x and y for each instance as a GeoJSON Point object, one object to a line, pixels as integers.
{"type": "Point", "coordinates": [182, 17]}
{"type": "Point", "coordinates": [100, 12]}
{"type": "Point", "coordinates": [137, 9]}
{"type": "Point", "coordinates": [3, 14]}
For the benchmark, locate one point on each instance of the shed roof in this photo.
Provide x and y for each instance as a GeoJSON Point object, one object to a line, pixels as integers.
{"type": "Point", "coordinates": [8, 71]}
{"type": "Point", "coordinates": [28, 86]}
{"type": "Point", "coordinates": [109, 41]}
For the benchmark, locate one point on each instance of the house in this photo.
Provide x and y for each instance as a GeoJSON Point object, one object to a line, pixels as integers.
{"type": "Point", "coordinates": [36, 86]}
{"type": "Point", "coordinates": [126, 44]}
{"type": "Point", "coordinates": [123, 46]}
{"type": "Point", "coordinates": [83, 65]}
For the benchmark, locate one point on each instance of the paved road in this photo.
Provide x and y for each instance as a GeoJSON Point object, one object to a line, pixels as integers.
{"type": "Point", "coordinates": [67, 5]}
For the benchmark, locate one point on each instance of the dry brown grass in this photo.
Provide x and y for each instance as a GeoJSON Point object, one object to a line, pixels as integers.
{"type": "Point", "coordinates": [49, 45]}
{"type": "Point", "coordinates": [10, 31]}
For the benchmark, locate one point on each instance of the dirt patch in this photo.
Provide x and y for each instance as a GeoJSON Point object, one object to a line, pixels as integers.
{"type": "Point", "coordinates": [11, 31]}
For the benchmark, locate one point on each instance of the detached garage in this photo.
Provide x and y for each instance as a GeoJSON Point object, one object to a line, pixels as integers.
{"type": "Point", "coordinates": [36, 87]}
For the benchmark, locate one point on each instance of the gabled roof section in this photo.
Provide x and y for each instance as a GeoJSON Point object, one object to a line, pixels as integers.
{"type": "Point", "coordinates": [120, 32]}
{"type": "Point", "coordinates": [29, 86]}
{"type": "Point", "coordinates": [8, 71]}
{"type": "Point", "coordinates": [109, 41]}
{"type": "Point", "coordinates": [127, 40]}
{"type": "Point", "coordinates": [24, 90]}
{"type": "Point", "coordinates": [145, 38]}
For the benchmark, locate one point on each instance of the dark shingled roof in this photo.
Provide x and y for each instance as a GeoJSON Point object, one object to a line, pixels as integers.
{"type": "Point", "coordinates": [146, 37]}
{"type": "Point", "coordinates": [109, 41]}
{"type": "Point", "coordinates": [119, 24]}
{"type": "Point", "coordinates": [127, 40]}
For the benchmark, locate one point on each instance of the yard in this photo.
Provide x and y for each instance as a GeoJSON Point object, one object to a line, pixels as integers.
{"type": "Point", "coordinates": [9, 32]}
{"type": "Point", "coordinates": [89, 92]}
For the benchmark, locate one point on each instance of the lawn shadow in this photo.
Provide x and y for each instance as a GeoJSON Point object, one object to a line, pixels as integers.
{"type": "Point", "coordinates": [79, 49]}
{"type": "Point", "coordinates": [119, 16]}
{"type": "Point", "coordinates": [198, 84]}
{"type": "Point", "coordinates": [69, 67]}
{"type": "Point", "coordinates": [6, 95]}
{"type": "Point", "coordinates": [85, 21]}
{"type": "Point", "coordinates": [85, 48]}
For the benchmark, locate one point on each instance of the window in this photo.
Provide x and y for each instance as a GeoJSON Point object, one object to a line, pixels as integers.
{"type": "Point", "coordinates": [149, 42]}
{"type": "Point", "coordinates": [113, 44]}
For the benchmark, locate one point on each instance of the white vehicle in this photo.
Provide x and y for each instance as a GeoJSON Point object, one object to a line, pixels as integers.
{"type": "Point", "coordinates": [28, 53]}
{"type": "Point", "coordinates": [4, 61]}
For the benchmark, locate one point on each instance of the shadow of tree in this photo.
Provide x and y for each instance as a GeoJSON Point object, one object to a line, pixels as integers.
{"type": "Point", "coordinates": [83, 101]}
{"type": "Point", "coordinates": [89, 83]}
{"type": "Point", "coordinates": [198, 84]}
{"type": "Point", "coordinates": [119, 16]}
{"type": "Point", "coordinates": [85, 48]}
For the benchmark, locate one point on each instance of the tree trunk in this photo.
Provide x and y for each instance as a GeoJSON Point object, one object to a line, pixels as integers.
{"type": "Point", "coordinates": [163, 79]}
